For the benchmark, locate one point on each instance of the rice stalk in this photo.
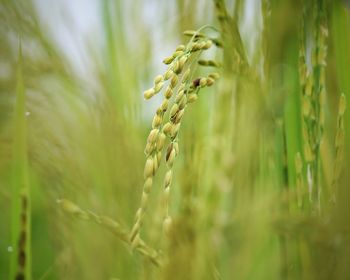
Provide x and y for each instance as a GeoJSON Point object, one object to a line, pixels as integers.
{"type": "Point", "coordinates": [20, 200]}
{"type": "Point", "coordinates": [339, 148]}
{"type": "Point", "coordinates": [113, 226]}
{"type": "Point", "coordinates": [186, 92]}
{"type": "Point", "coordinates": [313, 87]}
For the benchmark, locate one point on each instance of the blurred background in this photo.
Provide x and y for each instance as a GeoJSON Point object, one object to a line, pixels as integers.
{"type": "Point", "coordinates": [247, 202]}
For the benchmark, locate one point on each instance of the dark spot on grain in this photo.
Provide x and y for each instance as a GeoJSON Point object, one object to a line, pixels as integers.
{"type": "Point", "coordinates": [196, 82]}
{"type": "Point", "coordinates": [173, 118]}
{"type": "Point", "coordinates": [168, 151]}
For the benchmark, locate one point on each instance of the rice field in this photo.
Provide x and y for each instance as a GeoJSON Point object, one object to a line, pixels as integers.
{"type": "Point", "coordinates": [174, 139]}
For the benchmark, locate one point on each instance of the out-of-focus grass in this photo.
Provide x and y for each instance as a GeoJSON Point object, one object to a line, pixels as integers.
{"type": "Point", "coordinates": [234, 198]}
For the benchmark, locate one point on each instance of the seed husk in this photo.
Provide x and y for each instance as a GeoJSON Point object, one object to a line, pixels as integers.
{"type": "Point", "coordinates": [148, 172]}
{"type": "Point", "coordinates": [192, 98]}
{"type": "Point", "coordinates": [148, 93]}
{"type": "Point", "coordinates": [158, 79]}
{"type": "Point", "coordinates": [168, 60]}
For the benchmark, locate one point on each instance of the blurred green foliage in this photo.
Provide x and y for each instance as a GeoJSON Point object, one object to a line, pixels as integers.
{"type": "Point", "coordinates": [235, 187]}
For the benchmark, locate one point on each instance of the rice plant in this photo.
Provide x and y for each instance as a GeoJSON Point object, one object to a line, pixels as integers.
{"type": "Point", "coordinates": [230, 164]}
